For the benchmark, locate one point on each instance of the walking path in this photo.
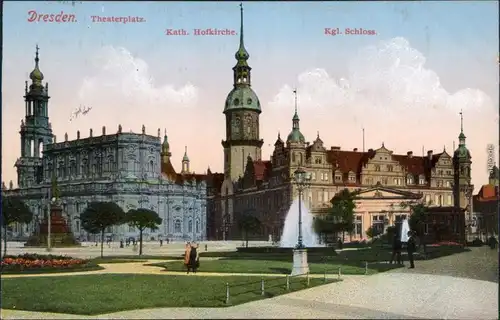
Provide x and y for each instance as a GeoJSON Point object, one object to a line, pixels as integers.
{"type": "Point", "coordinates": [424, 292]}
{"type": "Point", "coordinates": [143, 268]}
{"type": "Point", "coordinates": [383, 296]}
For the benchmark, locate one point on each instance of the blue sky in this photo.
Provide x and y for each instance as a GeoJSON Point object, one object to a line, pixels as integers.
{"type": "Point", "coordinates": [436, 29]}
{"type": "Point", "coordinates": [438, 53]}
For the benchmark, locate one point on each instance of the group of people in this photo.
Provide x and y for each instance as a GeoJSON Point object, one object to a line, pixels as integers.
{"type": "Point", "coordinates": [192, 257]}
{"type": "Point", "coordinates": [397, 247]}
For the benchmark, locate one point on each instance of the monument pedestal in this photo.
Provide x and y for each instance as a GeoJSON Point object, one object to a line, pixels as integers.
{"type": "Point", "coordinates": [60, 233]}
{"type": "Point", "coordinates": [300, 265]}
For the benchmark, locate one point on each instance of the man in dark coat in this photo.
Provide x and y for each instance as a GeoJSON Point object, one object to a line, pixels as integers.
{"type": "Point", "coordinates": [411, 247]}
{"type": "Point", "coordinates": [396, 249]}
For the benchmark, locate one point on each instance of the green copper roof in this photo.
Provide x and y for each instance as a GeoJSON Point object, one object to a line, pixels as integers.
{"type": "Point", "coordinates": [36, 75]}
{"type": "Point", "coordinates": [185, 158]}
{"type": "Point", "coordinates": [165, 145]}
{"type": "Point", "coordinates": [295, 116]}
{"type": "Point", "coordinates": [242, 98]}
{"type": "Point", "coordinates": [296, 136]}
{"type": "Point", "coordinates": [242, 54]}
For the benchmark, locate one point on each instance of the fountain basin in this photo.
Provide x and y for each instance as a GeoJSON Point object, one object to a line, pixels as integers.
{"type": "Point", "coordinates": [281, 250]}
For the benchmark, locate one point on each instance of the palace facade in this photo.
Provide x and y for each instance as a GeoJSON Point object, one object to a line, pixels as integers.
{"type": "Point", "coordinates": [132, 169]}
{"type": "Point", "coordinates": [265, 188]}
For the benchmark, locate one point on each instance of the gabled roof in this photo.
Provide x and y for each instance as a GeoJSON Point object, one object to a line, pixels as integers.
{"type": "Point", "coordinates": [262, 169]}
{"type": "Point", "coordinates": [380, 192]}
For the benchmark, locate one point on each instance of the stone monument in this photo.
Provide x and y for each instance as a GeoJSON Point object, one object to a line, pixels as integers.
{"type": "Point", "coordinates": [60, 232]}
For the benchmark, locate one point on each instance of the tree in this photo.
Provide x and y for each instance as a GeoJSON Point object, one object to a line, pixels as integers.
{"type": "Point", "coordinates": [418, 218]}
{"type": "Point", "coordinates": [372, 232]}
{"type": "Point", "coordinates": [98, 216]}
{"type": "Point", "coordinates": [14, 210]}
{"type": "Point", "coordinates": [340, 217]}
{"type": "Point", "coordinates": [143, 219]}
{"type": "Point", "coordinates": [248, 224]}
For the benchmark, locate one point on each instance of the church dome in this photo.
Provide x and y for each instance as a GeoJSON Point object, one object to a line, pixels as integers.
{"type": "Point", "coordinates": [36, 75]}
{"type": "Point", "coordinates": [296, 136]}
{"type": "Point", "coordinates": [242, 98]}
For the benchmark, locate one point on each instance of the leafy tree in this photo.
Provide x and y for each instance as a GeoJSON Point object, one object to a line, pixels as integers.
{"type": "Point", "coordinates": [98, 216]}
{"type": "Point", "coordinates": [372, 232]}
{"type": "Point", "coordinates": [340, 217]}
{"type": "Point", "coordinates": [14, 210]}
{"type": "Point", "coordinates": [418, 218]}
{"type": "Point", "coordinates": [143, 219]}
{"type": "Point", "coordinates": [248, 224]}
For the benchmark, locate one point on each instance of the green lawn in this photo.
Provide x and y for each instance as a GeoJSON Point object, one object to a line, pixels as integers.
{"type": "Point", "coordinates": [106, 293]}
{"type": "Point", "coordinates": [77, 268]}
{"type": "Point", "coordinates": [272, 266]}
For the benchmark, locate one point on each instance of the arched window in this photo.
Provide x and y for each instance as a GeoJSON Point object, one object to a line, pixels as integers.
{"type": "Point", "coordinates": [151, 166]}
{"type": "Point", "coordinates": [300, 159]}
{"type": "Point", "coordinates": [293, 157]}
{"type": "Point", "coordinates": [197, 226]}
{"type": "Point", "coordinates": [190, 226]}
{"type": "Point", "coordinates": [177, 226]}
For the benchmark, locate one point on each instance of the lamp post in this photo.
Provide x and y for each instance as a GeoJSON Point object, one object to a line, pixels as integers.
{"type": "Point", "coordinates": [300, 266]}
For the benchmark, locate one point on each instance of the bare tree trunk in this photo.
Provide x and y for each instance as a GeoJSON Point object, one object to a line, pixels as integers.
{"type": "Point", "coordinates": [102, 243]}
{"type": "Point", "coordinates": [5, 242]}
{"type": "Point", "coordinates": [140, 242]}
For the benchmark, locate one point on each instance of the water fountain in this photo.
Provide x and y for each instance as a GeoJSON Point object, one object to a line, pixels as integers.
{"type": "Point", "coordinates": [291, 227]}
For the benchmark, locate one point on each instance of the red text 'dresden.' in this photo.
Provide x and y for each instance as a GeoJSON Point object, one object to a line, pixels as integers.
{"type": "Point", "coordinates": [61, 17]}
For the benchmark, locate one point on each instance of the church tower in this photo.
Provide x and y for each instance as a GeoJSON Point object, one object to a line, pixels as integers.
{"type": "Point", "coordinates": [242, 110]}
{"type": "Point", "coordinates": [185, 162]}
{"type": "Point", "coordinates": [462, 187]}
{"type": "Point", "coordinates": [36, 131]}
{"type": "Point", "coordinates": [296, 143]}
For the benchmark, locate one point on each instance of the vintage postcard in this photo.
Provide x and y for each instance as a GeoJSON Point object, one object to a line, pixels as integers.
{"type": "Point", "coordinates": [189, 152]}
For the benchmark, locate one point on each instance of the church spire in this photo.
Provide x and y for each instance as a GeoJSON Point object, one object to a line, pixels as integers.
{"type": "Point", "coordinates": [295, 119]}
{"type": "Point", "coordinates": [241, 69]}
{"type": "Point", "coordinates": [461, 136]}
{"type": "Point", "coordinates": [36, 75]}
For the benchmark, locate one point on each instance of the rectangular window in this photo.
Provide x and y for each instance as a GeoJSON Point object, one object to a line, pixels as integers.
{"type": "Point", "coordinates": [325, 196]}
{"type": "Point", "coordinates": [313, 176]}
{"type": "Point", "coordinates": [448, 199]}
{"type": "Point", "coordinates": [326, 176]}
{"type": "Point", "coordinates": [358, 226]}
{"type": "Point", "coordinates": [320, 195]}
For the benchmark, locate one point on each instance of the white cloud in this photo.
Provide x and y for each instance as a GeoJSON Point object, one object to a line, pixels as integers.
{"type": "Point", "coordinates": [390, 92]}
{"type": "Point", "coordinates": [126, 78]}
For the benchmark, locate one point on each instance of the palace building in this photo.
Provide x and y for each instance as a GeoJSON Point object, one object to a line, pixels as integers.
{"type": "Point", "coordinates": [265, 188]}
{"type": "Point", "coordinates": [131, 169]}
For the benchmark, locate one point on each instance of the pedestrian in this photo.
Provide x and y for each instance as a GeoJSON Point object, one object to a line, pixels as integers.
{"type": "Point", "coordinates": [194, 259]}
{"type": "Point", "coordinates": [396, 249]}
{"type": "Point", "coordinates": [411, 248]}
{"type": "Point", "coordinates": [161, 242]}
{"type": "Point", "coordinates": [187, 254]}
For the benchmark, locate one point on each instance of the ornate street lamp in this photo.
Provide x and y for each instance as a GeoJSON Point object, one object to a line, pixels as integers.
{"type": "Point", "coordinates": [302, 181]}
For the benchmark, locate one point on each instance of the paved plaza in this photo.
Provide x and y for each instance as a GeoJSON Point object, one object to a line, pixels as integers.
{"type": "Point", "coordinates": [461, 286]}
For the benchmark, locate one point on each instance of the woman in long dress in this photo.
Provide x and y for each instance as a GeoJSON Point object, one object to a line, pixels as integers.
{"type": "Point", "coordinates": [193, 258]}
{"type": "Point", "coordinates": [186, 255]}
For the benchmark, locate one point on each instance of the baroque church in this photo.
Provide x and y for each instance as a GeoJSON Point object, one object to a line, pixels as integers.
{"type": "Point", "coordinates": [265, 188]}
{"type": "Point", "coordinates": [131, 169]}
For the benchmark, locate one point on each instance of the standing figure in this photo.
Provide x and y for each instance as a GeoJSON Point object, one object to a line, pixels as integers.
{"type": "Point", "coordinates": [194, 259]}
{"type": "Point", "coordinates": [411, 248]}
{"type": "Point", "coordinates": [187, 253]}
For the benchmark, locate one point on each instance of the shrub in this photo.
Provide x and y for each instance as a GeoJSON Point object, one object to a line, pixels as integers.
{"type": "Point", "coordinates": [477, 243]}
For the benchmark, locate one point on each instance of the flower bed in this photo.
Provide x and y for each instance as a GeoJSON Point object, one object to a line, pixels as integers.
{"type": "Point", "coordinates": [44, 263]}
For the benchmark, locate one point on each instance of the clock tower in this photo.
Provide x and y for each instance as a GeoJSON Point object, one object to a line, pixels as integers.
{"type": "Point", "coordinates": [242, 110]}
